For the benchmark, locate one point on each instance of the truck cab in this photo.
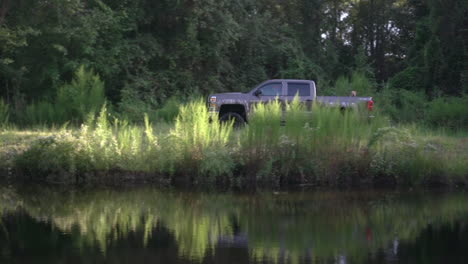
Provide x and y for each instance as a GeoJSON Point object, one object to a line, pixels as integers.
{"type": "Point", "coordinates": [238, 106]}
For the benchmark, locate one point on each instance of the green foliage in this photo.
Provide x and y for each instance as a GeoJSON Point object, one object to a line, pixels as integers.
{"type": "Point", "coordinates": [402, 105]}
{"type": "Point", "coordinates": [400, 157]}
{"type": "Point", "coordinates": [278, 147]}
{"type": "Point", "coordinates": [151, 59]}
{"type": "Point", "coordinates": [358, 82]}
{"type": "Point", "coordinates": [411, 79]}
{"type": "Point", "coordinates": [197, 140]}
{"type": "Point", "coordinates": [264, 128]}
{"type": "Point", "coordinates": [103, 144]}
{"type": "Point", "coordinates": [170, 109]}
{"type": "Point", "coordinates": [134, 103]}
{"type": "Point", "coordinates": [40, 113]}
{"type": "Point", "coordinates": [83, 96]}
{"type": "Point", "coordinates": [195, 130]}
{"type": "Point", "coordinates": [449, 113]}
{"type": "Point", "coordinates": [73, 102]}
{"type": "Point", "coordinates": [52, 159]}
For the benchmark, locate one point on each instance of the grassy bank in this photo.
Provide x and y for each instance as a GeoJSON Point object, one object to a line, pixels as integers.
{"type": "Point", "coordinates": [325, 147]}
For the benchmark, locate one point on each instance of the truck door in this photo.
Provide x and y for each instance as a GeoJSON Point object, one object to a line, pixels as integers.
{"type": "Point", "coordinates": [268, 92]}
{"type": "Point", "coordinates": [303, 90]}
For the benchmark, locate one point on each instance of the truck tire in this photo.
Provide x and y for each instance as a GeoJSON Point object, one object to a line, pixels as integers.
{"type": "Point", "coordinates": [239, 121]}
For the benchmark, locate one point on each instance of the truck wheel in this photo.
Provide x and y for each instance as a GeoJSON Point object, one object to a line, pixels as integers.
{"type": "Point", "coordinates": [238, 119]}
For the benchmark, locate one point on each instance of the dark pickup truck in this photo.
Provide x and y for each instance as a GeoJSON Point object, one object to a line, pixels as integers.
{"type": "Point", "coordinates": [238, 106]}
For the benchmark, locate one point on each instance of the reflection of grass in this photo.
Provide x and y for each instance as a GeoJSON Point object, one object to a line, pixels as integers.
{"type": "Point", "coordinates": [8, 202]}
{"type": "Point", "coordinates": [327, 223]}
{"type": "Point", "coordinates": [324, 147]}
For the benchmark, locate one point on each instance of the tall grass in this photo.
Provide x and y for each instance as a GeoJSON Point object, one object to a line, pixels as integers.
{"type": "Point", "coordinates": [310, 145]}
{"type": "Point", "coordinates": [282, 144]}
{"type": "Point", "coordinates": [98, 146]}
{"type": "Point", "coordinates": [108, 144]}
{"type": "Point", "coordinates": [201, 141]}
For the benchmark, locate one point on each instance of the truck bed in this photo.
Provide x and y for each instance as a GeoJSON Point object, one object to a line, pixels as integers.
{"type": "Point", "coordinates": [343, 101]}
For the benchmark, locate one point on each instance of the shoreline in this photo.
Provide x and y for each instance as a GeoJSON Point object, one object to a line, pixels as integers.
{"type": "Point", "coordinates": [328, 149]}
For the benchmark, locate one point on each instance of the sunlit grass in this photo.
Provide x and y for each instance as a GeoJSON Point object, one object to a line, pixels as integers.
{"type": "Point", "coordinates": [281, 145]}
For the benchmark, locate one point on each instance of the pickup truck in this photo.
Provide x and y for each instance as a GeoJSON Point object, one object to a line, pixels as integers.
{"type": "Point", "coordinates": [238, 106]}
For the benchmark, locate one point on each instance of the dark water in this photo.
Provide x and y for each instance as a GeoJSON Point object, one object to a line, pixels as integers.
{"type": "Point", "coordinates": [147, 225]}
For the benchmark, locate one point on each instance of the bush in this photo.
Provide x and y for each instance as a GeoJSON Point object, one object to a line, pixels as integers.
{"type": "Point", "coordinates": [52, 159]}
{"type": "Point", "coordinates": [411, 79]}
{"type": "Point", "coordinates": [132, 106]}
{"type": "Point", "coordinates": [448, 112]}
{"type": "Point", "coordinates": [170, 109]}
{"type": "Point", "coordinates": [358, 82]}
{"type": "Point", "coordinates": [404, 156]}
{"type": "Point", "coordinates": [73, 102]}
{"type": "Point", "coordinates": [402, 106]}
{"type": "Point", "coordinates": [76, 100]}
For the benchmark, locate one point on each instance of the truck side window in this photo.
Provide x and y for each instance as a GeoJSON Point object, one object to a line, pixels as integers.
{"type": "Point", "coordinates": [303, 89]}
{"type": "Point", "coordinates": [272, 89]}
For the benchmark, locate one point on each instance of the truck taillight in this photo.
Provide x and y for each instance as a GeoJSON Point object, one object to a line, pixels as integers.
{"type": "Point", "coordinates": [370, 105]}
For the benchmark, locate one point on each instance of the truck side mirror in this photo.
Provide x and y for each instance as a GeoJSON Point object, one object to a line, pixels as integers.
{"type": "Point", "coordinates": [258, 92]}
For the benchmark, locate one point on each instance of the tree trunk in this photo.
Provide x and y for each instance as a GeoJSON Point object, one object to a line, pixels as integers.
{"type": "Point", "coordinates": [4, 10]}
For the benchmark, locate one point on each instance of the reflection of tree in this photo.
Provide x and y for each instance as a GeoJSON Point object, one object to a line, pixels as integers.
{"type": "Point", "coordinates": [290, 227]}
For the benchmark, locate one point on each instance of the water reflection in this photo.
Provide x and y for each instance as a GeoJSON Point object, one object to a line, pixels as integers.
{"type": "Point", "coordinates": [149, 225]}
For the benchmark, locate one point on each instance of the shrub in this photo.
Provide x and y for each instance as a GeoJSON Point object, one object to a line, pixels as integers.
{"type": "Point", "coordinates": [73, 102]}
{"type": "Point", "coordinates": [411, 78]}
{"type": "Point", "coordinates": [402, 106]}
{"type": "Point", "coordinates": [448, 112]}
{"type": "Point", "coordinates": [84, 95]}
{"type": "Point", "coordinates": [53, 159]}
{"type": "Point", "coordinates": [132, 106]}
{"type": "Point", "coordinates": [358, 82]}
{"type": "Point", "coordinates": [170, 109]}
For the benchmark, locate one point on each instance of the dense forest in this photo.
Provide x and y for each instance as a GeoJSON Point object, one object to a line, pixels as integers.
{"type": "Point", "coordinates": [143, 52]}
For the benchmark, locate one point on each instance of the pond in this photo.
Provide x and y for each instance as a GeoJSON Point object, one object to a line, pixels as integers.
{"type": "Point", "coordinates": [43, 224]}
